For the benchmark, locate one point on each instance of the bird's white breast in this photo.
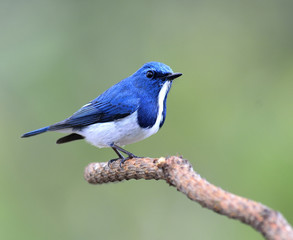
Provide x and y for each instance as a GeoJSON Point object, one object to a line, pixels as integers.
{"type": "Point", "coordinates": [120, 132]}
{"type": "Point", "coordinates": [126, 130]}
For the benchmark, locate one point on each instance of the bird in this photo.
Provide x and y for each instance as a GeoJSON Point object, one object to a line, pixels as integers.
{"type": "Point", "coordinates": [129, 111]}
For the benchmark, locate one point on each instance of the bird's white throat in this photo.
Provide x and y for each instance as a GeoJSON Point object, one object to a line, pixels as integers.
{"type": "Point", "coordinates": [161, 98]}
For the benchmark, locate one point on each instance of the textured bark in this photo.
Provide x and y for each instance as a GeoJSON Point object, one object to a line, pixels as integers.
{"type": "Point", "coordinates": [179, 173]}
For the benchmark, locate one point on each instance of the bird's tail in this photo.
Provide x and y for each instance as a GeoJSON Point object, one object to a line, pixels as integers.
{"type": "Point", "coordinates": [35, 132]}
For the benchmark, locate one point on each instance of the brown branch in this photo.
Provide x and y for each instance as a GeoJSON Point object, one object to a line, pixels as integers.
{"type": "Point", "coordinates": [179, 173]}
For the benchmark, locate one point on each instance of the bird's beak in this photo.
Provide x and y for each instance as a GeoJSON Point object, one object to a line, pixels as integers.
{"type": "Point", "coordinates": [173, 76]}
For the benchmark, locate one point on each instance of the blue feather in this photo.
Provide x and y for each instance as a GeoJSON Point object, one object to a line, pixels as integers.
{"type": "Point", "coordinates": [35, 132]}
{"type": "Point", "coordinates": [147, 112]}
{"type": "Point", "coordinates": [112, 105]}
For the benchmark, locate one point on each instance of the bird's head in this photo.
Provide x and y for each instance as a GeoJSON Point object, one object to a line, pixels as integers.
{"type": "Point", "coordinates": [153, 76]}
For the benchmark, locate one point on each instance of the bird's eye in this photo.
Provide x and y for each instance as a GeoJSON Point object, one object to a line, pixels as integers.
{"type": "Point", "coordinates": [150, 74]}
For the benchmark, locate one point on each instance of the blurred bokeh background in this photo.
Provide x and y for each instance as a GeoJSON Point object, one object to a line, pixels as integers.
{"type": "Point", "coordinates": [230, 114]}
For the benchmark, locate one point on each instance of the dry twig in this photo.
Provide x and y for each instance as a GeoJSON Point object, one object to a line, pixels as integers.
{"type": "Point", "coordinates": [179, 173]}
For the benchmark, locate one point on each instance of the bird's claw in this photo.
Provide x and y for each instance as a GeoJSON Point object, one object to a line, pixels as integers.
{"type": "Point", "coordinates": [132, 156]}
{"type": "Point", "coordinates": [122, 160]}
{"type": "Point", "coordinates": [112, 160]}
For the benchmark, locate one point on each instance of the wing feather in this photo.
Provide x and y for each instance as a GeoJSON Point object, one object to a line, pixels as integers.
{"type": "Point", "coordinates": [115, 103]}
{"type": "Point", "coordinates": [95, 112]}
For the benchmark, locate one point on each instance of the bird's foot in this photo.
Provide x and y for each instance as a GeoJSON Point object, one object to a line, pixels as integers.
{"type": "Point", "coordinates": [112, 160]}
{"type": "Point", "coordinates": [122, 160]}
{"type": "Point", "coordinates": [131, 155]}
{"type": "Point", "coordinates": [127, 158]}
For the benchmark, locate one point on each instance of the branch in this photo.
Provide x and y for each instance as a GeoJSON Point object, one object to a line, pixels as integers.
{"type": "Point", "coordinates": [179, 173]}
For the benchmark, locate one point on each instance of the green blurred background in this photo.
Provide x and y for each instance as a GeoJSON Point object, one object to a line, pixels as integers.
{"type": "Point", "coordinates": [230, 114]}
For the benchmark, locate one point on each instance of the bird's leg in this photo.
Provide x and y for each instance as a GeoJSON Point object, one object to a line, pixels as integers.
{"type": "Point", "coordinates": [115, 159]}
{"type": "Point", "coordinates": [118, 153]}
{"type": "Point", "coordinates": [117, 148]}
{"type": "Point", "coordinates": [112, 160]}
{"type": "Point", "coordinates": [123, 159]}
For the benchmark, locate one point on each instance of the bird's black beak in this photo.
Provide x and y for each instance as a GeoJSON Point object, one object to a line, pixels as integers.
{"type": "Point", "coordinates": [172, 76]}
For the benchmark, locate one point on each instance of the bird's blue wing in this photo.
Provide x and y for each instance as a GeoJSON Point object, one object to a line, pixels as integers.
{"type": "Point", "coordinates": [96, 112]}
{"type": "Point", "coordinates": [117, 102]}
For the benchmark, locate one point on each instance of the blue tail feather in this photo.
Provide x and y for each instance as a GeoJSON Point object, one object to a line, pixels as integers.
{"type": "Point", "coordinates": [35, 132]}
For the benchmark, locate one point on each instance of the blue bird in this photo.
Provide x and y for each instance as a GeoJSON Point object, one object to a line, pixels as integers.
{"type": "Point", "coordinates": [128, 112]}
